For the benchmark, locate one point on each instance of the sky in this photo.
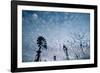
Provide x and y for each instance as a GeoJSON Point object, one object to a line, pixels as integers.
{"type": "Point", "coordinates": [56, 27]}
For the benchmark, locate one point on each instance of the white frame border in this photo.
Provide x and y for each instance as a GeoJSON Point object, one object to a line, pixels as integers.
{"type": "Point", "coordinates": [52, 63]}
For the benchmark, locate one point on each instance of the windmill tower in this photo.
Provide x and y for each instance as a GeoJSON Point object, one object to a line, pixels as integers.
{"type": "Point", "coordinates": [42, 44]}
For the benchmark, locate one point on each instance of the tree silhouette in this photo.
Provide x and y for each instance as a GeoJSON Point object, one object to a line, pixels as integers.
{"type": "Point", "coordinates": [42, 44]}
{"type": "Point", "coordinates": [81, 40]}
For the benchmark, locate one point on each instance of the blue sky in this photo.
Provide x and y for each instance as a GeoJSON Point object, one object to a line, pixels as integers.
{"type": "Point", "coordinates": [55, 27]}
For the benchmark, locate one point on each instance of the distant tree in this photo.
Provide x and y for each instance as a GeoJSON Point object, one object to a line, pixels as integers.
{"type": "Point", "coordinates": [42, 44]}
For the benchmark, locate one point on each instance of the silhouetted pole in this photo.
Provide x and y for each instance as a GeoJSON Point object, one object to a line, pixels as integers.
{"type": "Point", "coordinates": [66, 52]}
{"type": "Point", "coordinates": [54, 58]}
{"type": "Point", "coordinates": [38, 55]}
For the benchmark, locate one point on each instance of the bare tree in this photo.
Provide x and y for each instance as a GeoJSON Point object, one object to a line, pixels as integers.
{"type": "Point", "coordinates": [81, 40]}
{"type": "Point", "coordinates": [80, 37]}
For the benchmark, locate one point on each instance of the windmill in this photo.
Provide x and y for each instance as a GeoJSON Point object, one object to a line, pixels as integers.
{"type": "Point", "coordinates": [42, 44]}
